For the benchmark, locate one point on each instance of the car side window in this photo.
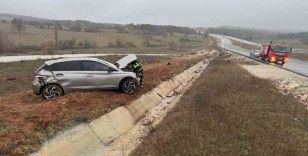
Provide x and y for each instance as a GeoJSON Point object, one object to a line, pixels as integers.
{"type": "Point", "coordinates": [93, 66]}
{"type": "Point", "coordinates": [66, 66]}
{"type": "Point", "coordinates": [53, 67]}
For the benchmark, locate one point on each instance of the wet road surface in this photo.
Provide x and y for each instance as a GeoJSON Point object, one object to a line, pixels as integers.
{"type": "Point", "coordinates": [297, 66]}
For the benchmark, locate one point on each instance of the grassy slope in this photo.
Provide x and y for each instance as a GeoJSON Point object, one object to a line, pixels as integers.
{"type": "Point", "coordinates": [34, 36]}
{"type": "Point", "coordinates": [26, 121]}
{"type": "Point", "coordinates": [230, 112]}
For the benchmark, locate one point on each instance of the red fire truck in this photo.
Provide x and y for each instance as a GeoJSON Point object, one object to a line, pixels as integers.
{"type": "Point", "coordinates": [273, 53]}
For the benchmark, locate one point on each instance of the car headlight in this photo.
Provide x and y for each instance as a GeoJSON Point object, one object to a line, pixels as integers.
{"type": "Point", "coordinates": [42, 78]}
{"type": "Point", "coordinates": [273, 59]}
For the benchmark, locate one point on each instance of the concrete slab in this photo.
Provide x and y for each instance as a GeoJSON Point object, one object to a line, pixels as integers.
{"type": "Point", "coordinates": [79, 141]}
{"type": "Point", "coordinates": [113, 124]}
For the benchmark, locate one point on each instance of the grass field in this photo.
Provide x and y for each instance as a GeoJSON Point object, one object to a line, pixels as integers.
{"type": "Point", "coordinates": [230, 112]}
{"type": "Point", "coordinates": [34, 37]}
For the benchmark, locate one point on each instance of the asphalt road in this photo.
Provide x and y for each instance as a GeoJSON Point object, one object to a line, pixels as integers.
{"type": "Point", "coordinates": [297, 66]}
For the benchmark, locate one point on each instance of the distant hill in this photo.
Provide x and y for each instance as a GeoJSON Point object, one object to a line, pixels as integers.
{"type": "Point", "coordinates": [302, 36]}
{"type": "Point", "coordinates": [249, 29]}
{"type": "Point", "coordinates": [88, 26]}
{"type": "Point", "coordinates": [250, 34]}
{"type": "Point", "coordinates": [9, 17]}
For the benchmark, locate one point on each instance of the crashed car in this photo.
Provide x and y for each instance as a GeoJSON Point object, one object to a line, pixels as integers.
{"type": "Point", "coordinates": [58, 77]}
{"type": "Point", "coordinates": [254, 54]}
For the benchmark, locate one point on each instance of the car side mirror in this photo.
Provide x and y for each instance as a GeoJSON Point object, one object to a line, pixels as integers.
{"type": "Point", "coordinates": [110, 70]}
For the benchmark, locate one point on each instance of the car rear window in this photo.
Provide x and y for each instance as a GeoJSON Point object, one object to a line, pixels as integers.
{"type": "Point", "coordinates": [66, 66]}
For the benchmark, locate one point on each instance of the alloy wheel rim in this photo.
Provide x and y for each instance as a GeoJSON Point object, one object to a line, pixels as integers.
{"type": "Point", "coordinates": [129, 87]}
{"type": "Point", "coordinates": [51, 92]}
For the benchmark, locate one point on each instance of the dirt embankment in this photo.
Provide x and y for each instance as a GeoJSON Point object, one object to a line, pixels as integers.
{"type": "Point", "coordinates": [287, 82]}
{"type": "Point", "coordinates": [26, 121]}
{"type": "Point", "coordinates": [231, 112]}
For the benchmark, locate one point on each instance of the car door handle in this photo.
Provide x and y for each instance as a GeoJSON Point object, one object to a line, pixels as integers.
{"type": "Point", "coordinates": [89, 75]}
{"type": "Point", "coordinates": [58, 74]}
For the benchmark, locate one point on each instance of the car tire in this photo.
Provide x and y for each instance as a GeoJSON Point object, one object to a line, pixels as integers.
{"type": "Point", "coordinates": [128, 86]}
{"type": "Point", "coordinates": [51, 91]}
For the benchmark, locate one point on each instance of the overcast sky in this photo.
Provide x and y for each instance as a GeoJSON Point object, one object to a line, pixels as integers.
{"type": "Point", "coordinates": [267, 14]}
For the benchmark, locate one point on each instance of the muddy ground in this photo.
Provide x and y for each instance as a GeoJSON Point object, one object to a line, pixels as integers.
{"type": "Point", "coordinates": [231, 112]}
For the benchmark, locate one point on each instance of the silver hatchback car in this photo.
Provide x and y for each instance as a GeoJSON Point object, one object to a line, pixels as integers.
{"type": "Point", "coordinates": [57, 77]}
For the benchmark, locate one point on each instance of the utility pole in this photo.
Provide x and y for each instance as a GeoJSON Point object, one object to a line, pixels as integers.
{"type": "Point", "coordinates": [56, 28]}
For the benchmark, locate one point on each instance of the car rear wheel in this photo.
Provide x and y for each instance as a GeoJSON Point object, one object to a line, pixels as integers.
{"type": "Point", "coordinates": [128, 86]}
{"type": "Point", "coordinates": [51, 91]}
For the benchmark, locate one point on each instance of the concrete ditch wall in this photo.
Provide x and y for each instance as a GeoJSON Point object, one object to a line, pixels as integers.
{"type": "Point", "coordinates": [86, 139]}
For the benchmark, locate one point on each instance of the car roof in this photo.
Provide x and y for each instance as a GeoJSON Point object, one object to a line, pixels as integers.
{"type": "Point", "coordinates": [50, 62]}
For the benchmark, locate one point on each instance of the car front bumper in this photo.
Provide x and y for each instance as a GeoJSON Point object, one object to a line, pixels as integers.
{"type": "Point", "coordinates": [36, 87]}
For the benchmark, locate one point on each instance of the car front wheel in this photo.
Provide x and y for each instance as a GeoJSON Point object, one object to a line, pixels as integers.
{"type": "Point", "coordinates": [128, 86]}
{"type": "Point", "coordinates": [51, 91]}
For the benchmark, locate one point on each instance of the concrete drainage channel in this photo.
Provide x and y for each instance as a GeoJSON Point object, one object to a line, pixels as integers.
{"type": "Point", "coordinates": [121, 130]}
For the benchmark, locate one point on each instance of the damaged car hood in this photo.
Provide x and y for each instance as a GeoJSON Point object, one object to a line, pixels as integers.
{"type": "Point", "coordinates": [123, 62]}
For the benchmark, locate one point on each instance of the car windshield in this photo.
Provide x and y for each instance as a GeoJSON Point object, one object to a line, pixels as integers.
{"type": "Point", "coordinates": [280, 49]}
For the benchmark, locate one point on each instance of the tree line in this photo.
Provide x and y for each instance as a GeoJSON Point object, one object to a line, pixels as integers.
{"type": "Point", "coordinates": [87, 26]}
{"type": "Point", "coordinates": [302, 36]}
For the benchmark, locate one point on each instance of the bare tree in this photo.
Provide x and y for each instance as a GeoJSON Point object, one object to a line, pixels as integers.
{"type": "Point", "coordinates": [18, 24]}
{"type": "Point", "coordinates": [56, 28]}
